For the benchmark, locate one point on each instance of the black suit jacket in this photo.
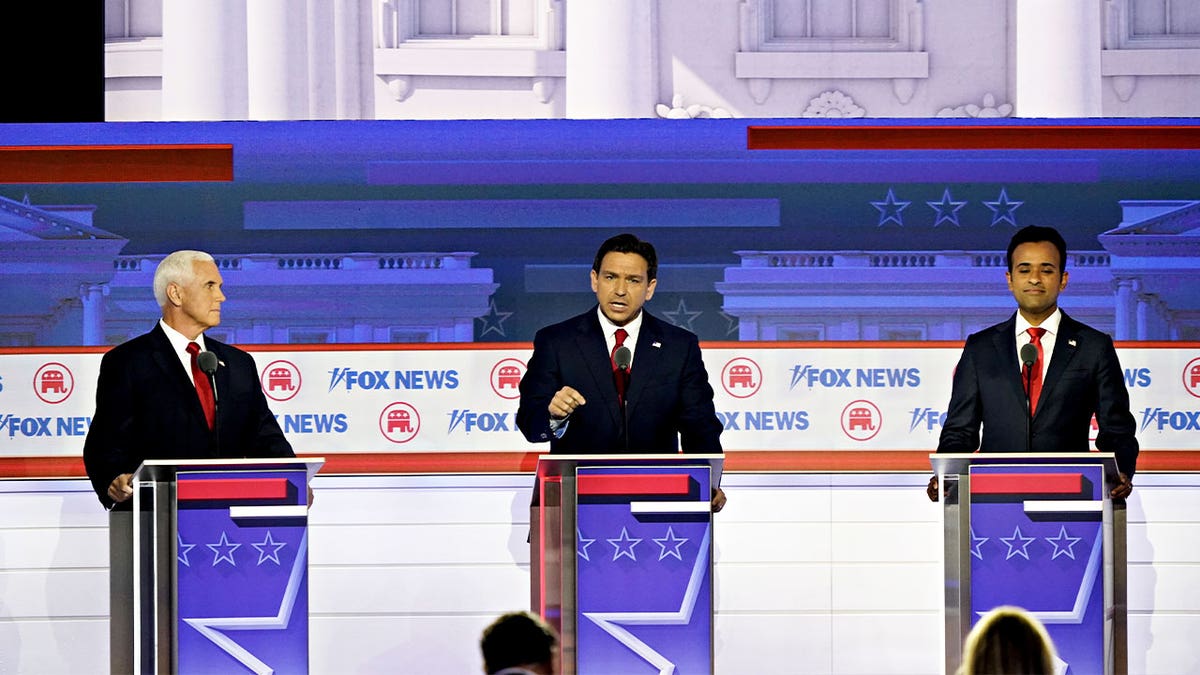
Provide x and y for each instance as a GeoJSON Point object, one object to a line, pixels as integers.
{"type": "Point", "coordinates": [147, 408]}
{"type": "Point", "coordinates": [1084, 377]}
{"type": "Point", "coordinates": [668, 401]}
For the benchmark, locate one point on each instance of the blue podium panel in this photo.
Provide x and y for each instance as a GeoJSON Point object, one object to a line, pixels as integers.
{"type": "Point", "coordinates": [1037, 541]}
{"type": "Point", "coordinates": [242, 582]}
{"type": "Point", "coordinates": [643, 570]}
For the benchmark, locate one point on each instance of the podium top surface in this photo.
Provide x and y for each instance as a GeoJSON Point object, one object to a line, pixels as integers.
{"type": "Point", "coordinates": [165, 469]}
{"type": "Point", "coordinates": [959, 462]}
{"type": "Point", "coordinates": [558, 465]}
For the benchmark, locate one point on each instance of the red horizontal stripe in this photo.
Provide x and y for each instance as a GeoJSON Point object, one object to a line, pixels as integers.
{"type": "Point", "coordinates": [736, 461]}
{"type": "Point", "coordinates": [199, 489]}
{"type": "Point", "coordinates": [990, 137]}
{"type": "Point", "coordinates": [1027, 484]}
{"type": "Point", "coordinates": [627, 484]}
{"type": "Point", "coordinates": [116, 163]}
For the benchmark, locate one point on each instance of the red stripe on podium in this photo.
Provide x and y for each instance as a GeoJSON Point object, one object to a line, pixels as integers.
{"type": "Point", "coordinates": [231, 488]}
{"type": "Point", "coordinates": [1027, 483]}
{"type": "Point", "coordinates": [633, 484]}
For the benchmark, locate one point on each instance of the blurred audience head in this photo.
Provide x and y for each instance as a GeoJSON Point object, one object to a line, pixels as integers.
{"type": "Point", "coordinates": [518, 643]}
{"type": "Point", "coordinates": [1008, 641]}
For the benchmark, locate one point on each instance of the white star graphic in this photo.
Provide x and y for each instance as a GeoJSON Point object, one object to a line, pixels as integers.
{"type": "Point", "coordinates": [682, 317]}
{"type": "Point", "coordinates": [583, 550]}
{"type": "Point", "coordinates": [947, 209]}
{"type": "Point", "coordinates": [623, 545]}
{"type": "Point", "coordinates": [976, 542]}
{"type": "Point", "coordinates": [670, 544]}
{"type": "Point", "coordinates": [889, 209]}
{"type": "Point", "coordinates": [183, 550]}
{"type": "Point", "coordinates": [1064, 544]}
{"type": "Point", "coordinates": [269, 543]}
{"type": "Point", "coordinates": [493, 320]}
{"type": "Point", "coordinates": [227, 547]}
{"type": "Point", "coordinates": [1002, 209]}
{"type": "Point", "coordinates": [1015, 548]}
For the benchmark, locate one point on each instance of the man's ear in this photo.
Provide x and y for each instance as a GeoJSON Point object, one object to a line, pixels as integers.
{"type": "Point", "coordinates": [173, 295]}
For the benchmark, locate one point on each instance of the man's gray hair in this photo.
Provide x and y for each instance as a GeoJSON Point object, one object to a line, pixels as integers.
{"type": "Point", "coordinates": [177, 268]}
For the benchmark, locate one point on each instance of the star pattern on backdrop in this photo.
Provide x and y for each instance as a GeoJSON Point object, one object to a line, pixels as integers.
{"type": "Point", "coordinates": [947, 209]}
{"type": "Point", "coordinates": [623, 546]}
{"type": "Point", "coordinates": [670, 545]}
{"type": "Point", "coordinates": [1003, 209]}
{"type": "Point", "coordinates": [976, 542]}
{"type": "Point", "coordinates": [731, 325]}
{"type": "Point", "coordinates": [1017, 544]}
{"type": "Point", "coordinates": [1064, 544]}
{"type": "Point", "coordinates": [584, 543]}
{"type": "Point", "coordinates": [682, 317]}
{"type": "Point", "coordinates": [493, 320]}
{"type": "Point", "coordinates": [183, 550]}
{"type": "Point", "coordinates": [224, 550]}
{"type": "Point", "coordinates": [264, 554]}
{"type": "Point", "coordinates": [889, 209]}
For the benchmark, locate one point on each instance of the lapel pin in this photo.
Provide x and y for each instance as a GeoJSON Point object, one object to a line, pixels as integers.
{"type": "Point", "coordinates": [1072, 343]}
{"type": "Point", "coordinates": [656, 345]}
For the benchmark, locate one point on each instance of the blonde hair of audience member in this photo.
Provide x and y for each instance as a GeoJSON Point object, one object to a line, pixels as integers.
{"type": "Point", "coordinates": [1008, 641]}
{"type": "Point", "coordinates": [519, 643]}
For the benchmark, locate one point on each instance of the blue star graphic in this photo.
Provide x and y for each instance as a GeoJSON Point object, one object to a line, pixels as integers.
{"type": "Point", "coordinates": [1002, 209]}
{"type": "Point", "coordinates": [1064, 544]}
{"type": "Point", "coordinates": [493, 320]}
{"type": "Point", "coordinates": [583, 550]}
{"type": "Point", "coordinates": [947, 209]}
{"type": "Point", "coordinates": [227, 547]}
{"type": "Point", "coordinates": [682, 317]}
{"type": "Point", "coordinates": [183, 550]}
{"type": "Point", "coordinates": [1015, 548]}
{"type": "Point", "coordinates": [670, 544]}
{"type": "Point", "coordinates": [269, 543]}
{"type": "Point", "coordinates": [889, 209]}
{"type": "Point", "coordinates": [976, 542]}
{"type": "Point", "coordinates": [623, 546]}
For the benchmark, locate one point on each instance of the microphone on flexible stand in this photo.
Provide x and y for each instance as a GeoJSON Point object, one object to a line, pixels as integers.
{"type": "Point", "coordinates": [1029, 354]}
{"type": "Point", "coordinates": [208, 363]}
{"type": "Point", "coordinates": [624, 358]}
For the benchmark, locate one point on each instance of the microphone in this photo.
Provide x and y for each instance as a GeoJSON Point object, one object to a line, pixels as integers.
{"type": "Point", "coordinates": [624, 358]}
{"type": "Point", "coordinates": [208, 363]}
{"type": "Point", "coordinates": [1029, 354]}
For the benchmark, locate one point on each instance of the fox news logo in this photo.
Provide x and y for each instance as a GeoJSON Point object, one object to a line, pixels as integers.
{"type": "Point", "coordinates": [374, 380]}
{"type": "Point", "coordinates": [53, 383]}
{"type": "Point", "coordinates": [764, 420]}
{"type": "Point", "coordinates": [1137, 377]}
{"type": "Point", "coordinates": [468, 421]}
{"type": "Point", "coordinates": [280, 380]}
{"type": "Point", "coordinates": [871, 378]}
{"type": "Point", "coordinates": [741, 377]}
{"type": "Point", "coordinates": [1161, 419]}
{"type": "Point", "coordinates": [32, 427]}
{"type": "Point", "coordinates": [927, 419]}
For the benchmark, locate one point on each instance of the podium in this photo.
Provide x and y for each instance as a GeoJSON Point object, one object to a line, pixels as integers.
{"type": "Point", "coordinates": [219, 553]}
{"type": "Point", "coordinates": [1041, 532]}
{"type": "Point", "coordinates": [621, 560]}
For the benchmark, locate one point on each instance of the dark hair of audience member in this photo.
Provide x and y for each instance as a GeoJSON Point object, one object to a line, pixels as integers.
{"type": "Point", "coordinates": [518, 640]}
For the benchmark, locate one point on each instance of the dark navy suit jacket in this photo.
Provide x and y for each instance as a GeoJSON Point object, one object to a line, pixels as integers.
{"type": "Point", "coordinates": [147, 408]}
{"type": "Point", "coordinates": [669, 400]}
{"type": "Point", "coordinates": [1084, 378]}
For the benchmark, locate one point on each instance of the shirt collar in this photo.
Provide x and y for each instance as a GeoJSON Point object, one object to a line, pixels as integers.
{"type": "Point", "coordinates": [1050, 324]}
{"type": "Point", "coordinates": [178, 340]}
{"type": "Point", "coordinates": [632, 328]}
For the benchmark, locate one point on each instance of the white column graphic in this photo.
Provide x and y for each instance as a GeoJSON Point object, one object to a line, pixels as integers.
{"type": "Point", "coordinates": [277, 59]}
{"type": "Point", "coordinates": [1057, 49]}
{"type": "Point", "coordinates": [204, 60]}
{"type": "Point", "coordinates": [612, 61]}
{"type": "Point", "coordinates": [92, 296]}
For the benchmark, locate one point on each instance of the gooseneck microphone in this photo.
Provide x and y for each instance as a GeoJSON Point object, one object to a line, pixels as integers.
{"type": "Point", "coordinates": [208, 363]}
{"type": "Point", "coordinates": [624, 358]}
{"type": "Point", "coordinates": [1029, 354]}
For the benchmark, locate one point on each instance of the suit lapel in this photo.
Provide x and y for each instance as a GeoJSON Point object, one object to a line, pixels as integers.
{"type": "Point", "coordinates": [593, 349]}
{"type": "Point", "coordinates": [1065, 346]}
{"type": "Point", "coordinates": [646, 361]}
{"type": "Point", "coordinates": [166, 359]}
{"type": "Point", "coordinates": [1004, 342]}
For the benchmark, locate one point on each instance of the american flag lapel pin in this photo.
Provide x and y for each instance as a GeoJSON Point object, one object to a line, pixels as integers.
{"type": "Point", "coordinates": [1072, 343]}
{"type": "Point", "coordinates": [656, 345]}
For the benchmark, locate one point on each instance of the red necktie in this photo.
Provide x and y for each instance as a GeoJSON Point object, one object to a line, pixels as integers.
{"type": "Point", "coordinates": [621, 378]}
{"type": "Point", "coordinates": [1033, 380]}
{"type": "Point", "coordinates": [203, 386]}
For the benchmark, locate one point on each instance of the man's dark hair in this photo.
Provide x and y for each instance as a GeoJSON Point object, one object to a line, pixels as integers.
{"type": "Point", "coordinates": [628, 243]}
{"type": "Point", "coordinates": [517, 639]}
{"type": "Point", "coordinates": [1035, 233]}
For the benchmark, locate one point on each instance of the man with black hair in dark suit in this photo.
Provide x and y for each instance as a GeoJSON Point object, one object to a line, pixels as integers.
{"type": "Point", "coordinates": [153, 401]}
{"type": "Point", "coordinates": [1075, 375]}
{"type": "Point", "coordinates": [572, 390]}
